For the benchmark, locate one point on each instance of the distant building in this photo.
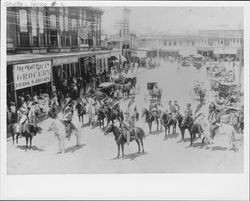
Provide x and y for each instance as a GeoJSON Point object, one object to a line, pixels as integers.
{"type": "Point", "coordinates": [220, 43]}
{"type": "Point", "coordinates": [169, 44]}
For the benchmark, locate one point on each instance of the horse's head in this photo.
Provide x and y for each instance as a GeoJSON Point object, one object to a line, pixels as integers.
{"type": "Point", "coordinates": [108, 129]}
{"type": "Point", "coordinates": [37, 129]}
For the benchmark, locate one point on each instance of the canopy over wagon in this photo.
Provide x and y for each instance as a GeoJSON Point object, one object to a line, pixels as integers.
{"type": "Point", "coordinates": [107, 88]}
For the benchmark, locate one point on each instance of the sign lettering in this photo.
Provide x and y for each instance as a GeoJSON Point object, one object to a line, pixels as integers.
{"type": "Point", "coordinates": [31, 74]}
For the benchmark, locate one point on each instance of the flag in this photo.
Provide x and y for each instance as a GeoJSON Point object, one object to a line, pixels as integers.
{"type": "Point", "coordinates": [83, 31]}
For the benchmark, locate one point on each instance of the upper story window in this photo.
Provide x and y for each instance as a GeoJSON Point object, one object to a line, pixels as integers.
{"type": "Point", "coordinates": [174, 43]}
{"type": "Point", "coordinates": [66, 23]}
{"type": "Point", "coordinates": [73, 24]}
{"type": "Point", "coordinates": [52, 20]}
{"type": "Point", "coordinates": [23, 20]}
{"type": "Point", "coordinates": [34, 22]}
{"type": "Point", "coordinates": [40, 22]}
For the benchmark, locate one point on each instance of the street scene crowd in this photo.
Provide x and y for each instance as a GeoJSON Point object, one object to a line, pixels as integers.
{"type": "Point", "coordinates": [174, 99]}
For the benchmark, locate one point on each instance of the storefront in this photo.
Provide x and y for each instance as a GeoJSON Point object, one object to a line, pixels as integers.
{"type": "Point", "coordinates": [102, 63]}
{"type": "Point", "coordinates": [64, 68]}
{"type": "Point", "coordinates": [27, 78]}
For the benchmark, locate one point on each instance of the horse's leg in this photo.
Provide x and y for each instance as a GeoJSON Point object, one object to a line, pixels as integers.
{"type": "Point", "coordinates": [31, 141]}
{"type": "Point", "coordinates": [141, 140]}
{"type": "Point", "coordinates": [138, 143]}
{"type": "Point", "coordinates": [17, 135]}
{"type": "Point", "coordinates": [149, 125]}
{"type": "Point", "coordinates": [122, 150]}
{"type": "Point", "coordinates": [77, 134]}
{"type": "Point", "coordinates": [118, 146]}
{"type": "Point", "coordinates": [63, 146]}
{"type": "Point", "coordinates": [27, 140]}
{"type": "Point", "coordinates": [157, 122]}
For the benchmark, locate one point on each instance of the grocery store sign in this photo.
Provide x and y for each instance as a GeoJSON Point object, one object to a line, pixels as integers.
{"type": "Point", "coordinates": [31, 74]}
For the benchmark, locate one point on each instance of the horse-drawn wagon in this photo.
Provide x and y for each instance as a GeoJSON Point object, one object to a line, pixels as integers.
{"type": "Point", "coordinates": [107, 87]}
{"type": "Point", "coordinates": [154, 93]}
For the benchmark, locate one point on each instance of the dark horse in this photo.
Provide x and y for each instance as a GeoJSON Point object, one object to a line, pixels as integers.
{"type": "Point", "coordinates": [121, 139]}
{"type": "Point", "coordinates": [188, 123]}
{"type": "Point", "coordinates": [81, 111]}
{"type": "Point", "coordinates": [168, 121]}
{"type": "Point", "coordinates": [113, 115]}
{"type": "Point", "coordinates": [150, 117]}
{"type": "Point", "coordinates": [28, 130]}
{"type": "Point", "coordinates": [101, 116]}
{"type": "Point", "coordinates": [126, 89]}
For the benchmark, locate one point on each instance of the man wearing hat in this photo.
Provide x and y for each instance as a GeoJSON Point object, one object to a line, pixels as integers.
{"type": "Point", "coordinates": [67, 118]}
{"type": "Point", "coordinates": [13, 111]}
{"type": "Point", "coordinates": [176, 109]}
{"type": "Point", "coordinates": [214, 120]}
{"type": "Point", "coordinates": [129, 125]}
{"type": "Point", "coordinates": [22, 117]}
{"type": "Point", "coordinates": [188, 111]}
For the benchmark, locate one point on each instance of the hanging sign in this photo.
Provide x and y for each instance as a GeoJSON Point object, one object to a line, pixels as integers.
{"type": "Point", "coordinates": [31, 74]}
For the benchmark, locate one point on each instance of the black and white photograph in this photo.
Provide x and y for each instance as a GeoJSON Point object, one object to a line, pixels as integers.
{"type": "Point", "coordinates": [124, 89]}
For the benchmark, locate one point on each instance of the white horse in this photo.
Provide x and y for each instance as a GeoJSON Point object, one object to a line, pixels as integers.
{"type": "Point", "coordinates": [91, 110]}
{"type": "Point", "coordinates": [60, 132]}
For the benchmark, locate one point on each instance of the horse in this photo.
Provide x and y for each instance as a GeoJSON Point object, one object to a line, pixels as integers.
{"type": "Point", "coordinates": [126, 89]}
{"type": "Point", "coordinates": [193, 128]}
{"type": "Point", "coordinates": [121, 139]}
{"type": "Point", "coordinates": [182, 125]}
{"type": "Point", "coordinates": [113, 115]}
{"type": "Point", "coordinates": [101, 116]}
{"type": "Point", "coordinates": [168, 121]}
{"type": "Point", "coordinates": [60, 132]}
{"type": "Point", "coordinates": [81, 111]}
{"type": "Point", "coordinates": [91, 113]}
{"type": "Point", "coordinates": [150, 117]}
{"type": "Point", "coordinates": [28, 130]}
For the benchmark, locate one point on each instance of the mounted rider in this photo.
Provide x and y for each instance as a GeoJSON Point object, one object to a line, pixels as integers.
{"type": "Point", "coordinates": [214, 120]}
{"type": "Point", "coordinates": [128, 125]}
{"type": "Point", "coordinates": [176, 109]}
{"type": "Point", "coordinates": [170, 107]}
{"type": "Point", "coordinates": [188, 113]}
{"type": "Point", "coordinates": [22, 117]}
{"type": "Point", "coordinates": [67, 119]}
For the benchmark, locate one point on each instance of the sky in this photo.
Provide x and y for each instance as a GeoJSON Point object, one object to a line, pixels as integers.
{"type": "Point", "coordinates": [174, 19]}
